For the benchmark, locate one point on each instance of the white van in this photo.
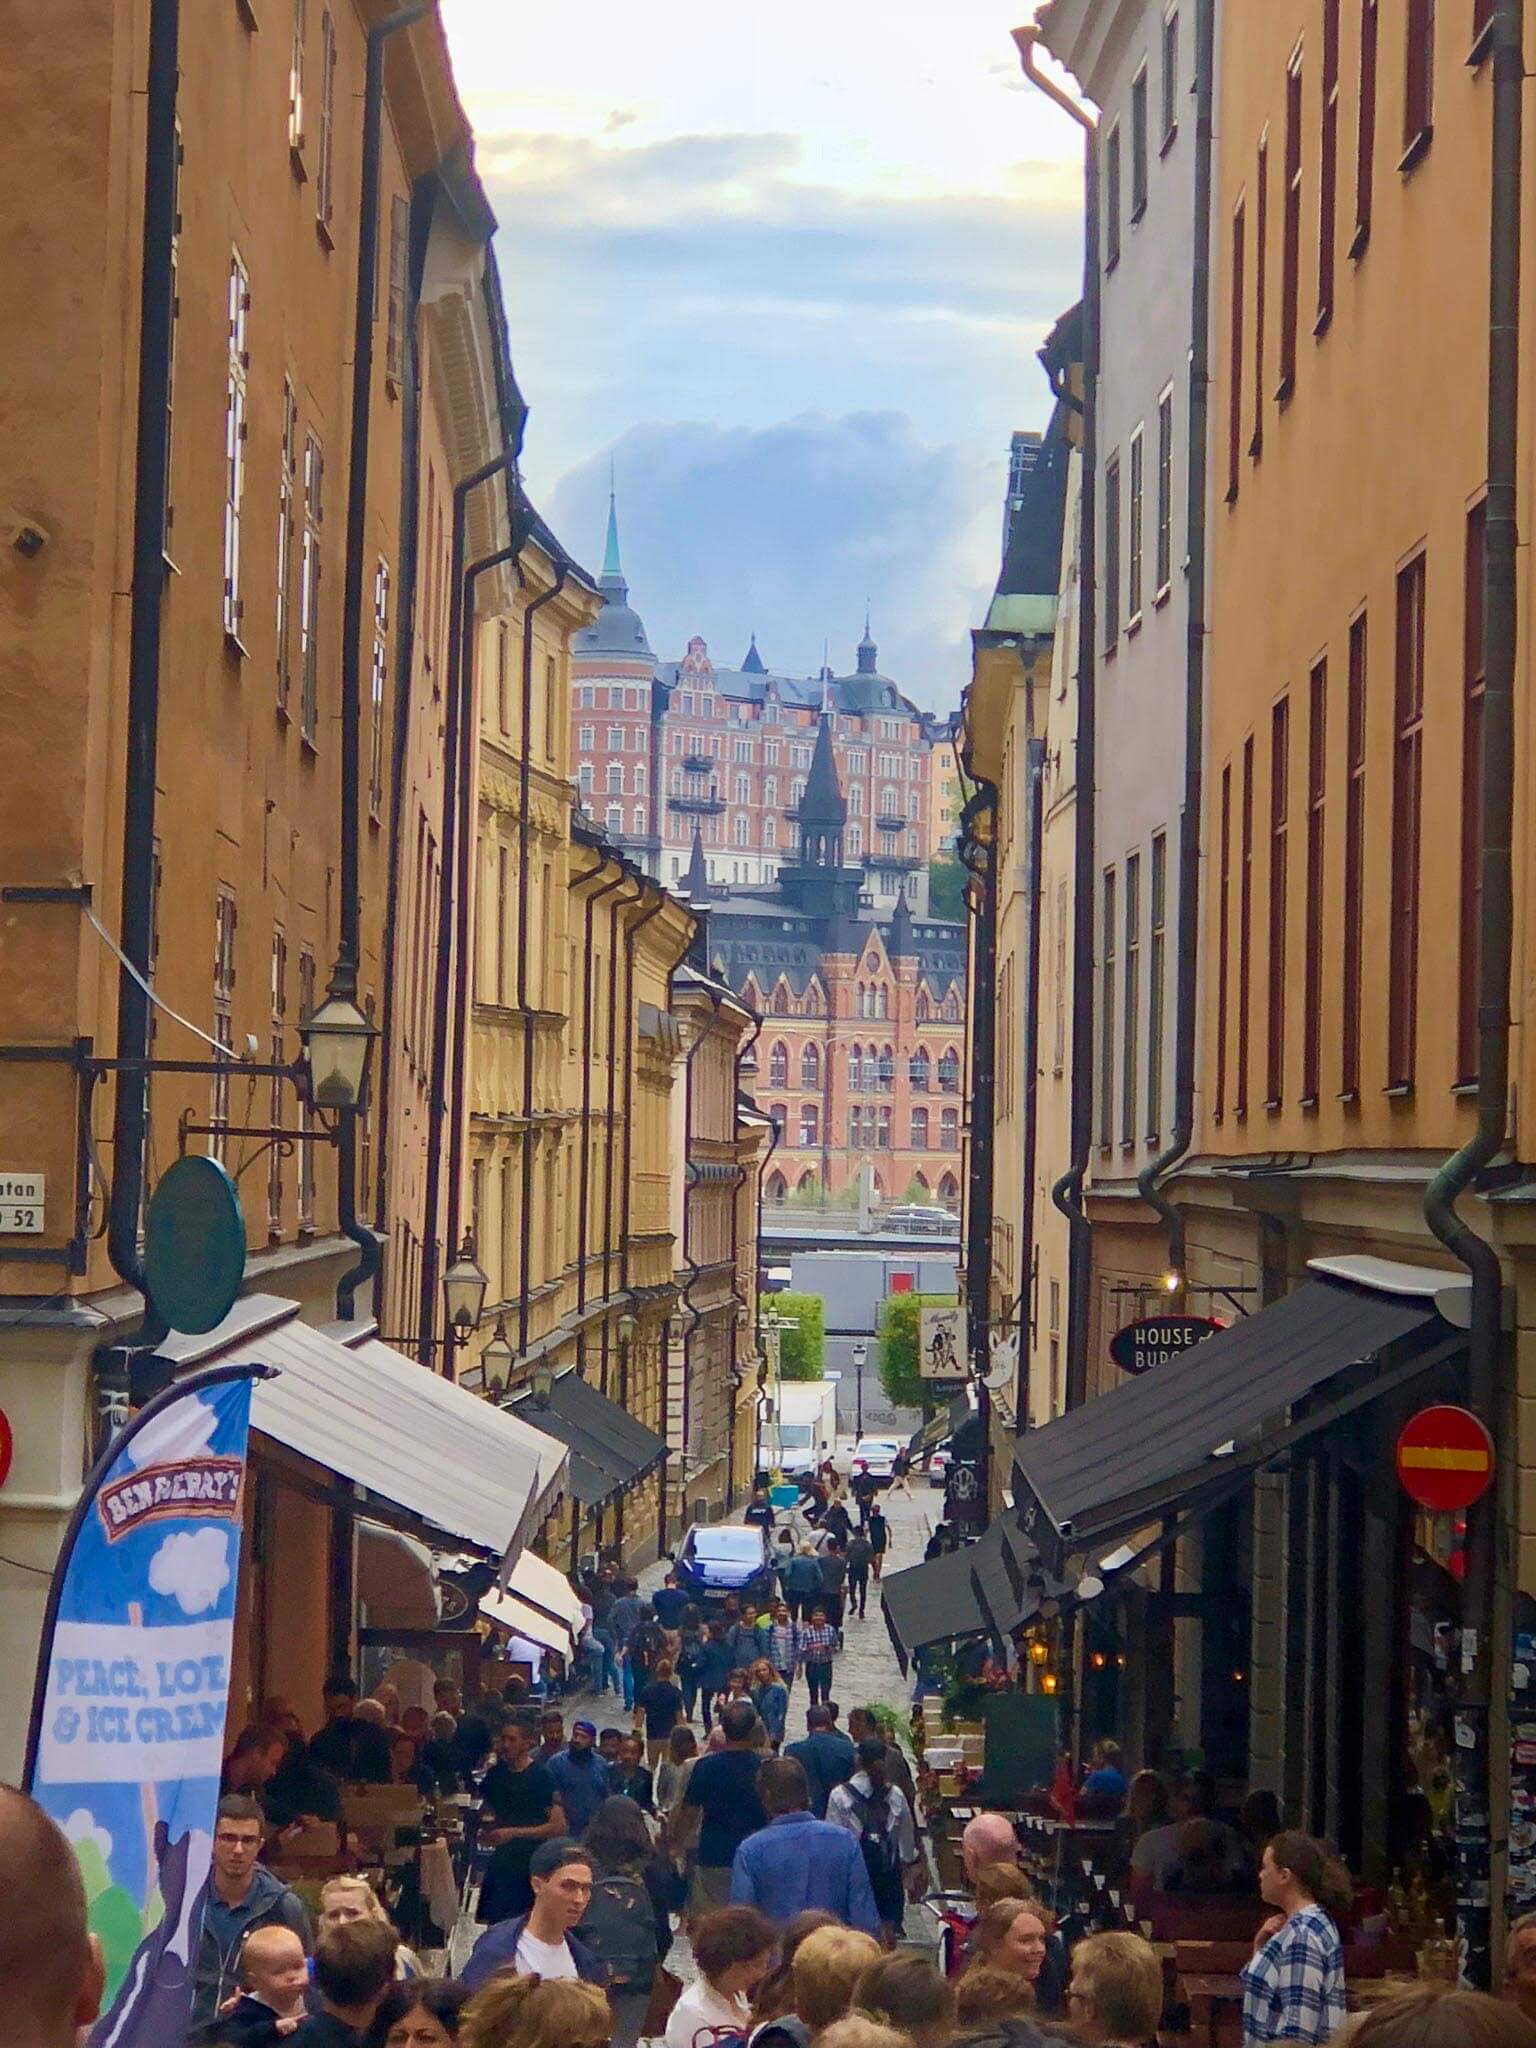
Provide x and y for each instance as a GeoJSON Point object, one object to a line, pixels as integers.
{"type": "Point", "coordinates": [804, 1429]}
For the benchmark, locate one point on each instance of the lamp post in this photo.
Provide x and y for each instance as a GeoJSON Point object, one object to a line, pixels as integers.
{"type": "Point", "coordinates": [860, 1353]}
{"type": "Point", "coordinates": [338, 1049]}
{"type": "Point", "coordinates": [464, 1286]}
{"type": "Point", "coordinates": [496, 1361]}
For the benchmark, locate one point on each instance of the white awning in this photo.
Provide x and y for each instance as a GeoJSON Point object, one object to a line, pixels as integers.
{"type": "Point", "coordinates": [377, 1418]}
{"type": "Point", "coordinates": [538, 1584]}
{"type": "Point", "coordinates": [396, 1586]}
{"type": "Point", "coordinates": [519, 1619]}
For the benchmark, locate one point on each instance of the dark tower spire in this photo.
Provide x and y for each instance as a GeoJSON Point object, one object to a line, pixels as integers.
{"type": "Point", "coordinates": [753, 664]}
{"type": "Point", "coordinates": [823, 809]}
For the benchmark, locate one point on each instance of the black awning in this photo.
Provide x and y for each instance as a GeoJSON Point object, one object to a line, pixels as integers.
{"type": "Point", "coordinates": [1009, 1580]}
{"type": "Point", "coordinates": [1197, 1423]}
{"type": "Point", "coordinates": [937, 1602]}
{"type": "Point", "coordinates": [609, 1448]}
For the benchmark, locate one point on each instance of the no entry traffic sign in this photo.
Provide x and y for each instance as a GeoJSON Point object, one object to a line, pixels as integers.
{"type": "Point", "coordinates": [1444, 1458]}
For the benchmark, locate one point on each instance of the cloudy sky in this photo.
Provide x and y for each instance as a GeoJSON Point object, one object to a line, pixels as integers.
{"type": "Point", "coordinates": [786, 268]}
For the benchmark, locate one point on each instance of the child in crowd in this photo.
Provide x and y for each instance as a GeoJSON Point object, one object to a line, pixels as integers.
{"type": "Point", "coordinates": [274, 1976]}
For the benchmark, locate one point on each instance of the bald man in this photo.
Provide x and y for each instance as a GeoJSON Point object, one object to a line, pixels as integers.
{"type": "Point", "coordinates": [989, 1838]}
{"type": "Point", "coordinates": [49, 1965]}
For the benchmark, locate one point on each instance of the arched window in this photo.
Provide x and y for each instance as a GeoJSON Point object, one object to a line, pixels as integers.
{"type": "Point", "coordinates": [922, 1181]}
{"type": "Point", "coordinates": [887, 1069]}
{"type": "Point", "coordinates": [778, 1064]}
{"type": "Point", "coordinates": [885, 1000]}
{"type": "Point", "coordinates": [920, 1130]}
{"type": "Point", "coordinates": [778, 1187]}
{"type": "Point", "coordinates": [949, 1189]}
{"type": "Point", "coordinates": [781, 1001]}
{"type": "Point", "coordinates": [951, 1008]}
{"type": "Point", "coordinates": [810, 1067]}
{"type": "Point", "coordinates": [883, 1128]}
{"type": "Point", "coordinates": [808, 1124]}
{"type": "Point", "coordinates": [949, 1071]}
{"type": "Point", "coordinates": [949, 1130]}
{"type": "Point", "coordinates": [813, 1005]}
{"type": "Point", "coordinates": [922, 1006]}
{"type": "Point", "coordinates": [855, 1066]}
{"type": "Point", "coordinates": [778, 1116]}
{"type": "Point", "coordinates": [917, 1070]}
{"type": "Point", "coordinates": [806, 1184]}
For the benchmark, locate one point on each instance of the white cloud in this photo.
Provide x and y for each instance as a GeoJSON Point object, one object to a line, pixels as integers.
{"type": "Point", "coordinates": [82, 1826]}
{"type": "Point", "coordinates": [192, 1567]}
{"type": "Point", "coordinates": [183, 1430]}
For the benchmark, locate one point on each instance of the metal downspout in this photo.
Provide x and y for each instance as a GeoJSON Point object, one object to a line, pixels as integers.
{"type": "Point", "coordinates": [1067, 1193]}
{"type": "Point", "coordinates": [349, 952]}
{"type": "Point", "coordinates": [626, 1192]}
{"type": "Point", "coordinates": [1186, 1026]}
{"type": "Point", "coordinates": [980, 858]}
{"type": "Point", "coordinates": [616, 904]}
{"type": "Point", "coordinates": [695, 1315]}
{"type": "Point", "coordinates": [1491, 1521]}
{"type": "Point", "coordinates": [130, 1110]}
{"type": "Point", "coordinates": [586, 1075]}
{"type": "Point", "coordinates": [741, 1306]}
{"type": "Point", "coordinates": [1035, 782]}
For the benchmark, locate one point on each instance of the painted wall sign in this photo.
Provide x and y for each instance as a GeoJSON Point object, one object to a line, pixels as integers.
{"type": "Point", "coordinates": [1155, 1339]}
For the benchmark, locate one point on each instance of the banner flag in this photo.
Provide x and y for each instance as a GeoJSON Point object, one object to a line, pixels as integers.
{"type": "Point", "coordinates": [127, 1736]}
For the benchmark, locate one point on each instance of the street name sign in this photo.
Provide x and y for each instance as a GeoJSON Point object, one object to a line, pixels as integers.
{"type": "Point", "coordinates": [21, 1203]}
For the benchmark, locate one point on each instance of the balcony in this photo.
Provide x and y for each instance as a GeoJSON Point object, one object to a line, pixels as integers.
{"type": "Point", "coordinates": [890, 821]}
{"type": "Point", "coordinates": [896, 863]}
{"type": "Point", "coordinates": [697, 764]}
{"type": "Point", "coordinates": [701, 802]}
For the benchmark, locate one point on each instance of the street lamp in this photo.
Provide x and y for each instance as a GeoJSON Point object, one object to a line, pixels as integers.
{"type": "Point", "coordinates": [497, 1360]}
{"type": "Point", "coordinates": [542, 1383]}
{"type": "Point", "coordinates": [464, 1286]}
{"type": "Point", "coordinates": [338, 1044]}
{"type": "Point", "coordinates": [627, 1328]}
{"type": "Point", "coordinates": [860, 1353]}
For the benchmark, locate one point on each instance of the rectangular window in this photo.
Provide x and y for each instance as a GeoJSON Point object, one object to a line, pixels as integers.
{"type": "Point", "coordinates": [1107, 1016]}
{"type": "Point", "coordinates": [1317, 789]}
{"type": "Point", "coordinates": [237, 315]}
{"type": "Point", "coordinates": [399, 286]}
{"type": "Point", "coordinates": [1354, 866]}
{"type": "Point", "coordinates": [1407, 775]}
{"type": "Point", "coordinates": [1112, 197]}
{"type": "Point", "coordinates": [1418, 81]}
{"type": "Point", "coordinates": [1134, 538]}
{"type": "Point", "coordinates": [1365, 144]}
{"type": "Point", "coordinates": [1139, 144]}
{"type": "Point", "coordinates": [376, 677]}
{"type": "Point", "coordinates": [1130, 1049]}
{"type": "Point", "coordinates": [224, 920]}
{"type": "Point", "coordinates": [1279, 850]}
{"type": "Point", "coordinates": [1235, 352]}
{"type": "Point", "coordinates": [1260, 282]}
{"type": "Point", "coordinates": [287, 477]}
{"type": "Point", "coordinates": [1111, 553]}
{"type": "Point", "coordinates": [306, 1116]}
{"type": "Point", "coordinates": [1244, 929]}
{"type": "Point", "coordinates": [1474, 682]}
{"type": "Point", "coordinates": [309, 590]}
{"type": "Point", "coordinates": [1328, 167]}
{"type": "Point", "coordinates": [1164, 493]}
{"type": "Point", "coordinates": [1156, 978]}
{"type": "Point", "coordinates": [296, 80]}
{"type": "Point", "coordinates": [1290, 254]}
{"type": "Point", "coordinates": [1170, 76]}
{"type": "Point", "coordinates": [1223, 939]}
{"type": "Point", "coordinates": [325, 164]}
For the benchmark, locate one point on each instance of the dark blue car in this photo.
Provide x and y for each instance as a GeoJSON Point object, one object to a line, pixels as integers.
{"type": "Point", "coordinates": [725, 1558]}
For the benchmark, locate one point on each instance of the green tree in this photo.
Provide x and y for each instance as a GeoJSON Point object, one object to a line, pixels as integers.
{"type": "Point", "coordinates": [800, 1349]}
{"type": "Point", "coordinates": [900, 1327]}
{"type": "Point", "coordinates": [946, 880]}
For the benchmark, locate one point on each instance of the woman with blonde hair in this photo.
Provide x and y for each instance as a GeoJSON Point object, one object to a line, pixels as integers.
{"type": "Point", "coordinates": [344, 1900]}
{"type": "Point", "coordinates": [828, 1964]}
{"type": "Point", "coordinates": [1015, 1935]}
{"type": "Point", "coordinates": [535, 2012]}
{"type": "Point", "coordinates": [858, 2030]}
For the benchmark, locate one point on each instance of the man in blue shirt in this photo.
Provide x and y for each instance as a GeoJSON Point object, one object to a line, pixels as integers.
{"type": "Point", "coordinates": [825, 1755]}
{"type": "Point", "coordinates": [581, 1777]}
{"type": "Point", "coordinates": [796, 1862]}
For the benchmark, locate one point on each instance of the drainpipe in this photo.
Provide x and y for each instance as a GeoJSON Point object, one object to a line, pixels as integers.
{"type": "Point", "coordinates": [1488, 1591]}
{"type": "Point", "coordinates": [405, 658]}
{"type": "Point", "coordinates": [1035, 784]}
{"type": "Point", "coordinates": [459, 684]}
{"type": "Point", "coordinates": [981, 861]}
{"type": "Point", "coordinates": [695, 1316]}
{"type": "Point", "coordinates": [740, 1305]}
{"type": "Point", "coordinates": [1188, 987]}
{"type": "Point", "coordinates": [762, 1175]}
{"type": "Point", "coordinates": [586, 1074]}
{"type": "Point", "coordinates": [525, 777]}
{"type": "Point", "coordinates": [349, 954]}
{"type": "Point", "coordinates": [1067, 1193]}
{"type": "Point", "coordinates": [630, 1034]}
{"type": "Point", "coordinates": [616, 904]}
{"type": "Point", "coordinates": [130, 1112]}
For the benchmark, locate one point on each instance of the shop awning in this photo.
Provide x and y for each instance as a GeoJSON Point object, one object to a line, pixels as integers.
{"type": "Point", "coordinates": [519, 1619]}
{"type": "Point", "coordinates": [539, 1585]}
{"type": "Point", "coordinates": [609, 1448]}
{"type": "Point", "coordinates": [1228, 1406]}
{"type": "Point", "coordinates": [396, 1584]}
{"type": "Point", "coordinates": [375, 1417]}
{"type": "Point", "coordinates": [940, 1428]}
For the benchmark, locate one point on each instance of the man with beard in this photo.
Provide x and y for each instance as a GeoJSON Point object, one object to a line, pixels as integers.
{"type": "Point", "coordinates": [581, 1777]}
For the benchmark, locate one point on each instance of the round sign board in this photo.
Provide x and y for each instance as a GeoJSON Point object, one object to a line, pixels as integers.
{"type": "Point", "coordinates": [194, 1245]}
{"type": "Point", "coordinates": [7, 1446]}
{"type": "Point", "coordinates": [1444, 1458]}
{"type": "Point", "coordinates": [1155, 1339]}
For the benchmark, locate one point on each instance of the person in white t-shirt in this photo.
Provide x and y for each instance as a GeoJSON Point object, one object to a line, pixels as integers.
{"type": "Point", "coordinates": [734, 1949]}
{"type": "Point", "coordinates": [539, 1943]}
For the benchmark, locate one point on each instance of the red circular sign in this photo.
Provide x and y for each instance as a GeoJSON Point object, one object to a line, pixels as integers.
{"type": "Point", "coordinates": [7, 1446]}
{"type": "Point", "coordinates": [1444, 1458]}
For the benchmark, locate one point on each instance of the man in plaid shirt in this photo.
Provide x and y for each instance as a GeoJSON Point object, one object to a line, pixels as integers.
{"type": "Point", "coordinates": [1293, 1985]}
{"type": "Point", "coordinates": [782, 1648]}
{"type": "Point", "coordinates": [818, 1646]}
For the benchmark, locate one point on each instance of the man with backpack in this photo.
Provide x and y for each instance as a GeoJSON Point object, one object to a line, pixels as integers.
{"type": "Point", "coordinates": [798, 1863]}
{"type": "Point", "coordinates": [870, 1808]}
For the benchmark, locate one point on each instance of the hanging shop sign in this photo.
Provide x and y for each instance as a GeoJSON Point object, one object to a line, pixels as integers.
{"type": "Point", "coordinates": [1155, 1339]}
{"type": "Point", "coordinates": [941, 1342]}
{"type": "Point", "coordinates": [1444, 1458]}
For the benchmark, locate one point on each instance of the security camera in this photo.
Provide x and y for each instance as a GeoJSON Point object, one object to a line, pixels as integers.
{"type": "Point", "coordinates": [27, 536]}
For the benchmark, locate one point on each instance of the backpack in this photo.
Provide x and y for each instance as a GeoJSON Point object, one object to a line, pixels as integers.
{"type": "Point", "coordinates": [878, 1842]}
{"type": "Point", "coordinates": [620, 1928]}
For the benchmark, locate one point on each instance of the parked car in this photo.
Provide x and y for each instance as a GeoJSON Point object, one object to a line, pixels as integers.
{"type": "Point", "coordinates": [923, 1218]}
{"type": "Point", "coordinates": [724, 1557]}
{"type": "Point", "coordinates": [877, 1454]}
{"type": "Point", "coordinates": [938, 1464]}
